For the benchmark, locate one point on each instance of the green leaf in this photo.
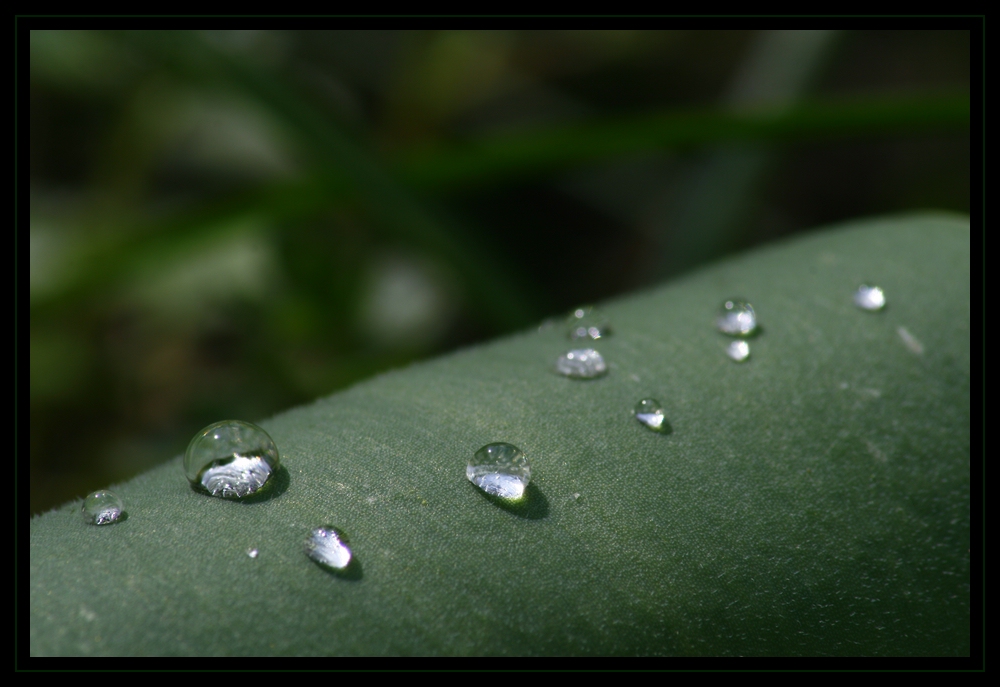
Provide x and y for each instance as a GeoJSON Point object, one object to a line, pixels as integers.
{"type": "Point", "coordinates": [811, 501]}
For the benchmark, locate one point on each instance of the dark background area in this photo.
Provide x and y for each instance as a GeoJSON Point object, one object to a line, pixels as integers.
{"type": "Point", "coordinates": [226, 224]}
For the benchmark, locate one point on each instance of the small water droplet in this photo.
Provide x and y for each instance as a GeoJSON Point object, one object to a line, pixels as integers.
{"type": "Point", "coordinates": [911, 341]}
{"type": "Point", "coordinates": [738, 351]}
{"type": "Point", "coordinates": [587, 323]}
{"type": "Point", "coordinates": [649, 412]}
{"type": "Point", "coordinates": [500, 469]}
{"type": "Point", "coordinates": [869, 297]}
{"type": "Point", "coordinates": [328, 546]}
{"type": "Point", "coordinates": [252, 553]}
{"type": "Point", "coordinates": [581, 363]}
{"type": "Point", "coordinates": [102, 507]}
{"type": "Point", "coordinates": [230, 459]}
{"type": "Point", "coordinates": [737, 318]}
{"type": "Point", "coordinates": [576, 496]}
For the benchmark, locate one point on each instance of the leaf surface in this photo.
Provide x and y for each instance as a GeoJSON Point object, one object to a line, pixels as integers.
{"type": "Point", "coordinates": [811, 501]}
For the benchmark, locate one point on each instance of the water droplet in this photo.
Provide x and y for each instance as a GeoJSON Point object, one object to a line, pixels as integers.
{"type": "Point", "coordinates": [252, 553]}
{"type": "Point", "coordinates": [500, 469]}
{"type": "Point", "coordinates": [102, 507]}
{"type": "Point", "coordinates": [869, 297]}
{"type": "Point", "coordinates": [649, 412]}
{"type": "Point", "coordinates": [230, 459]}
{"type": "Point", "coordinates": [738, 351]}
{"type": "Point", "coordinates": [737, 318]}
{"type": "Point", "coordinates": [587, 323]}
{"type": "Point", "coordinates": [911, 341]}
{"type": "Point", "coordinates": [328, 546]}
{"type": "Point", "coordinates": [581, 363]}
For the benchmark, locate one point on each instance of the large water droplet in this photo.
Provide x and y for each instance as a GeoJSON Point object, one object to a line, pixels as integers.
{"type": "Point", "coordinates": [587, 323]}
{"type": "Point", "coordinates": [737, 318]}
{"type": "Point", "coordinates": [738, 351]}
{"type": "Point", "coordinates": [231, 459]}
{"type": "Point", "coordinates": [102, 507]}
{"type": "Point", "coordinates": [500, 469]}
{"type": "Point", "coordinates": [869, 297]}
{"type": "Point", "coordinates": [581, 363]}
{"type": "Point", "coordinates": [649, 412]}
{"type": "Point", "coordinates": [328, 546]}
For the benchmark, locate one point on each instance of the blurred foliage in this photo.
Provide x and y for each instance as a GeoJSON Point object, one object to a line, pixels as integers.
{"type": "Point", "coordinates": [228, 223]}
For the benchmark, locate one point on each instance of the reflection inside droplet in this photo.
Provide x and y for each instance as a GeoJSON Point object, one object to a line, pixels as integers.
{"type": "Point", "coordinates": [581, 363]}
{"type": "Point", "coordinates": [328, 546]}
{"type": "Point", "coordinates": [102, 507]}
{"type": "Point", "coordinates": [737, 318]}
{"type": "Point", "coordinates": [649, 412]}
{"type": "Point", "coordinates": [500, 469]}
{"type": "Point", "coordinates": [870, 298]}
{"type": "Point", "coordinates": [738, 351]}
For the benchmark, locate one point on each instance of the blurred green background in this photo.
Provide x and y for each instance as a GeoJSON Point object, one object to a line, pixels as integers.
{"type": "Point", "coordinates": [225, 224]}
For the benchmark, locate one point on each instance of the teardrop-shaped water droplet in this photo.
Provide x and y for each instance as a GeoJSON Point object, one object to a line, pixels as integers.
{"type": "Point", "coordinates": [231, 459]}
{"type": "Point", "coordinates": [737, 318]}
{"type": "Point", "coordinates": [869, 297]}
{"type": "Point", "coordinates": [102, 507]}
{"type": "Point", "coordinates": [587, 323]}
{"type": "Point", "coordinates": [328, 546]}
{"type": "Point", "coordinates": [738, 351]}
{"type": "Point", "coordinates": [500, 469]}
{"type": "Point", "coordinates": [581, 363]}
{"type": "Point", "coordinates": [649, 412]}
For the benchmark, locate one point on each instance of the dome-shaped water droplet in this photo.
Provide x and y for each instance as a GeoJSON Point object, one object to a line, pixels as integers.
{"type": "Point", "coordinates": [738, 351]}
{"type": "Point", "coordinates": [581, 363]}
{"type": "Point", "coordinates": [230, 459]}
{"type": "Point", "coordinates": [869, 297]}
{"type": "Point", "coordinates": [737, 318]}
{"type": "Point", "coordinates": [649, 412]}
{"type": "Point", "coordinates": [102, 507]}
{"type": "Point", "coordinates": [500, 469]}
{"type": "Point", "coordinates": [587, 323]}
{"type": "Point", "coordinates": [328, 546]}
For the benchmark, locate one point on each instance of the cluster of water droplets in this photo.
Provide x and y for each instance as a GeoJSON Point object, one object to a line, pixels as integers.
{"type": "Point", "coordinates": [235, 459]}
{"type": "Point", "coordinates": [587, 323]}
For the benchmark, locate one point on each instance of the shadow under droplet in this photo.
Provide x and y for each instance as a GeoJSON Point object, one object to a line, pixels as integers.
{"type": "Point", "coordinates": [274, 487]}
{"type": "Point", "coordinates": [532, 506]}
{"type": "Point", "coordinates": [665, 428]}
{"type": "Point", "coordinates": [352, 573]}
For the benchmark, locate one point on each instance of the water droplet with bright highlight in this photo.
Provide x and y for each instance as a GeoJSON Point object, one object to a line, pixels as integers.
{"type": "Point", "coordinates": [737, 318]}
{"type": "Point", "coordinates": [500, 469]}
{"type": "Point", "coordinates": [231, 459]}
{"type": "Point", "coordinates": [587, 323]}
{"type": "Point", "coordinates": [252, 553]}
{"type": "Point", "coordinates": [869, 297]}
{"type": "Point", "coordinates": [581, 363]}
{"type": "Point", "coordinates": [328, 546]}
{"type": "Point", "coordinates": [649, 412]}
{"type": "Point", "coordinates": [738, 351]}
{"type": "Point", "coordinates": [102, 507]}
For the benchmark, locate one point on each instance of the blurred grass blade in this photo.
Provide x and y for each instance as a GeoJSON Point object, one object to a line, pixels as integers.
{"type": "Point", "coordinates": [507, 301]}
{"type": "Point", "coordinates": [517, 155]}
